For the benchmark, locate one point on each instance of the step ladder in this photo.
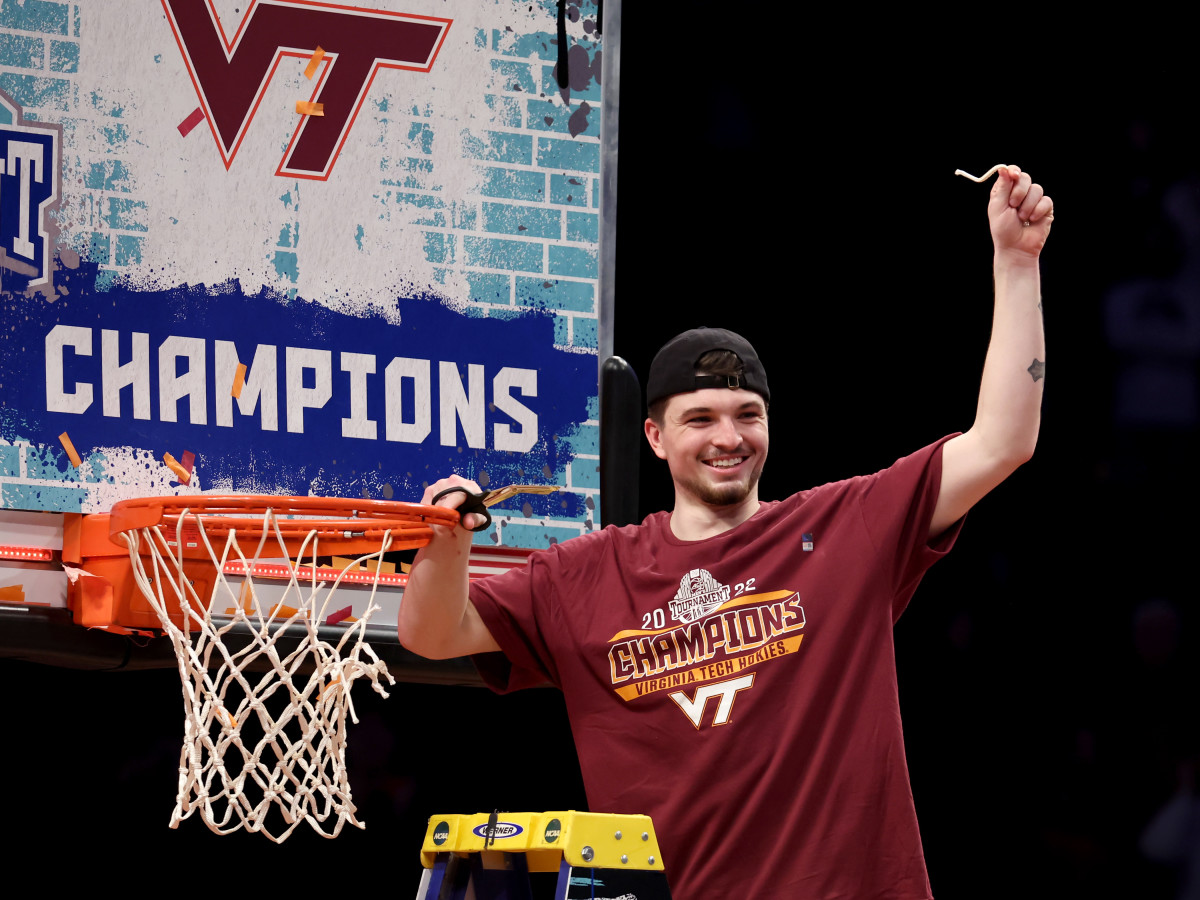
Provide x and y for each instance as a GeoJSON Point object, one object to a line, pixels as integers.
{"type": "Point", "coordinates": [492, 857]}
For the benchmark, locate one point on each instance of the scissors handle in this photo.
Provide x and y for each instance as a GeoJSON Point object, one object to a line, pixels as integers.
{"type": "Point", "coordinates": [473, 503]}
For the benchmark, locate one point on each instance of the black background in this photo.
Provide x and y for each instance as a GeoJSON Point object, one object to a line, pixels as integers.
{"type": "Point", "coordinates": [797, 187]}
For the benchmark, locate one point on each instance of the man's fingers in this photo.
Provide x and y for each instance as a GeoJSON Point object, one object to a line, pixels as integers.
{"type": "Point", "coordinates": [1044, 209]}
{"type": "Point", "coordinates": [462, 494]}
{"type": "Point", "coordinates": [1033, 196]}
{"type": "Point", "coordinates": [1020, 189]}
{"type": "Point", "coordinates": [1002, 189]}
{"type": "Point", "coordinates": [454, 499]}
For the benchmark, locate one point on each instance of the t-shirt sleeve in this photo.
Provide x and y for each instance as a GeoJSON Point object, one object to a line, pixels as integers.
{"type": "Point", "coordinates": [516, 606]}
{"type": "Point", "coordinates": [897, 508]}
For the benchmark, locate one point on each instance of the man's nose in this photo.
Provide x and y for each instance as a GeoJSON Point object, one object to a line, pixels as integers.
{"type": "Point", "coordinates": [726, 434]}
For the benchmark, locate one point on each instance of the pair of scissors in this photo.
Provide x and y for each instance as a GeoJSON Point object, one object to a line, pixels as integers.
{"type": "Point", "coordinates": [479, 503]}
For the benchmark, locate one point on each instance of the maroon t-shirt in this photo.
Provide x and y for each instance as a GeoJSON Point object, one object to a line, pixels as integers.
{"type": "Point", "coordinates": [741, 690]}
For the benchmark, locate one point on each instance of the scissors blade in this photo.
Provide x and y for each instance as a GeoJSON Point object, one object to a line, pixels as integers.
{"type": "Point", "coordinates": [491, 498]}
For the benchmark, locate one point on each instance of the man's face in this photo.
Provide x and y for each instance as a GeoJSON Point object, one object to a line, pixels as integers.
{"type": "Point", "coordinates": [715, 443]}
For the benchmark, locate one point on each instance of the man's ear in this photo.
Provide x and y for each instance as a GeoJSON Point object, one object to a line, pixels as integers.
{"type": "Point", "coordinates": [654, 436]}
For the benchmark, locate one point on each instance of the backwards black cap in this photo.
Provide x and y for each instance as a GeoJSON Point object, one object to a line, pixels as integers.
{"type": "Point", "coordinates": [674, 368]}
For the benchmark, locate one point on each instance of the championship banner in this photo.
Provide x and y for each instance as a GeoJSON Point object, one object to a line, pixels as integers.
{"type": "Point", "coordinates": [300, 248]}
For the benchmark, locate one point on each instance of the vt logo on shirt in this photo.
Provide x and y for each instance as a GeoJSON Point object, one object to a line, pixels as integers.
{"type": "Point", "coordinates": [717, 647]}
{"type": "Point", "coordinates": [724, 690]}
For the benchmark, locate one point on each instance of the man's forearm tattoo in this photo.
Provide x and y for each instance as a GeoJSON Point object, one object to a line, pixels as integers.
{"type": "Point", "coordinates": [1037, 369]}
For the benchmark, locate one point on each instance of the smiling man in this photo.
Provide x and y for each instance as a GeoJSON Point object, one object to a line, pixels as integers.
{"type": "Point", "coordinates": [728, 666]}
{"type": "Point", "coordinates": [707, 398]}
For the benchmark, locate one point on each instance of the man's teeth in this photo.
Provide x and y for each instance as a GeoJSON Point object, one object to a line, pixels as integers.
{"type": "Point", "coordinates": [723, 463]}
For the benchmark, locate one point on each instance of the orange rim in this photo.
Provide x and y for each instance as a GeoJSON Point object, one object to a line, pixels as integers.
{"type": "Point", "coordinates": [332, 518]}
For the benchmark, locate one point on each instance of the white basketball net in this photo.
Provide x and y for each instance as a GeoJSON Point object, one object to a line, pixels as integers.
{"type": "Point", "coordinates": [254, 742]}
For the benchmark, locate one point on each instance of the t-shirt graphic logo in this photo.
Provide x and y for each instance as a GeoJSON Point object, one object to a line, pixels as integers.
{"type": "Point", "coordinates": [698, 595]}
{"type": "Point", "coordinates": [724, 691]}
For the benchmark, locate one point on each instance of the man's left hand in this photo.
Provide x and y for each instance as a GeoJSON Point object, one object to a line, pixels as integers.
{"type": "Point", "coordinates": [1020, 213]}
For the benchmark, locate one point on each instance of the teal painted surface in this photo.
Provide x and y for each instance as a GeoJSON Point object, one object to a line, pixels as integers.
{"type": "Point", "coordinates": [585, 333]}
{"type": "Point", "coordinates": [117, 135]}
{"type": "Point", "coordinates": [574, 262]}
{"type": "Point", "coordinates": [509, 112]}
{"type": "Point", "coordinates": [514, 184]}
{"type": "Point", "coordinates": [569, 189]}
{"type": "Point", "coordinates": [568, 154]}
{"type": "Point", "coordinates": [535, 536]}
{"type": "Point", "coordinates": [98, 247]}
{"type": "Point", "coordinates": [584, 439]}
{"type": "Point", "coordinates": [31, 90]}
{"type": "Point", "coordinates": [512, 75]}
{"type": "Point", "coordinates": [110, 175]}
{"type": "Point", "coordinates": [498, 146]}
{"type": "Point", "coordinates": [287, 265]}
{"type": "Point", "coordinates": [420, 134]}
{"type": "Point", "coordinates": [50, 463]}
{"type": "Point", "coordinates": [525, 221]}
{"type": "Point", "coordinates": [35, 15]}
{"type": "Point", "coordinates": [490, 287]}
{"type": "Point", "coordinates": [22, 51]}
{"type": "Point", "coordinates": [48, 499]}
{"type": "Point", "coordinates": [10, 461]}
{"type": "Point", "coordinates": [64, 56]}
{"type": "Point", "coordinates": [128, 251]}
{"type": "Point", "coordinates": [589, 91]}
{"type": "Point", "coordinates": [585, 473]}
{"type": "Point", "coordinates": [583, 227]}
{"type": "Point", "coordinates": [439, 248]}
{"type": "Point", "coordinates": [580, 119]}
{"type": "Point", "coordinates": [543, 293]}
{"type": "Point", "coordinates": [407, 172]}
{"type": "Point", "coordinates": [497, 253]}
{"type": "Point", "coordinates": [541, 45]}
{"type": "Point", "coordinates": [125, 214]}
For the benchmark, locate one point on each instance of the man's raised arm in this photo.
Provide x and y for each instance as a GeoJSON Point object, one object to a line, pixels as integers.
{"type": "Point", "coordinates": [1010, 394]}
{"type": "Point", "coordinates": [437, 619]}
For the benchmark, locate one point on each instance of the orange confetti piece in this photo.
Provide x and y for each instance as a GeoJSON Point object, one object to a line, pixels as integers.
{"type": "Point", "coordinates": [239, 380]}
{"type": "Point", "coordinates": [245, 599]}
{"type": "Point", "coordinates": [311, 69]}
{"type": "Point", "coordinates": [308, 108]}
{"type": "Point", "coordinates": [72, 454]}
{"type": "Point", "coordinates": [15, 593]}
{"type": "Point", "coordinates": [181, 473]}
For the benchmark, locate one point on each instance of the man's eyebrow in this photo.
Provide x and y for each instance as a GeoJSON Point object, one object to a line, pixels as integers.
{"type": "Point", "coordinates": [755, 405]}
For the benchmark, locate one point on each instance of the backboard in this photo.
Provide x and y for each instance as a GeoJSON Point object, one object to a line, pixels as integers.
{"type": "Point", "coordinates": [296, 248]}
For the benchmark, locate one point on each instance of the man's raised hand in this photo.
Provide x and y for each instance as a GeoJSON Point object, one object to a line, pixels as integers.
{"type": "Point", "coordinates": [1020, 213]}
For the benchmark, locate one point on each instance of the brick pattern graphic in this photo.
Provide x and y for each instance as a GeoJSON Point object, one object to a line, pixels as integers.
{"type": "Point", "coordinates": [526, 241]}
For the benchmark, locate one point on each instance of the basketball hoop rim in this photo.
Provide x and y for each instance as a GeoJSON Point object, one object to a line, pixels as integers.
{"type": "Point", "coordinates": [329, 517]}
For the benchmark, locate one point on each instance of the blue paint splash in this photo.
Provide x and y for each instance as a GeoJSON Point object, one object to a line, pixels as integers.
{"type": "Point", "coordinates": [246, 457]}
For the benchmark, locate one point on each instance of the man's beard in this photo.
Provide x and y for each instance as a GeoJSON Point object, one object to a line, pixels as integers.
{"type": "Point", "coordinates": [723, 494]}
